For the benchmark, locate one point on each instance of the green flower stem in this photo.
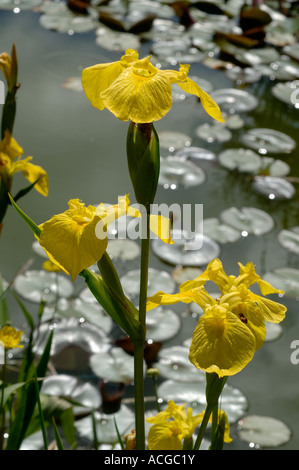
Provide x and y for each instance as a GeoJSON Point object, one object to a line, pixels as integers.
{"type": "Point", "coordinates": [203, 426]}
{"type": "Point", "coordinates": [139, 346]}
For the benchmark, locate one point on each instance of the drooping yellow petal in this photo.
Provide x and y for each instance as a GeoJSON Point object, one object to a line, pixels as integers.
{"type": "Point", "coordinates": [189, 86]}
{"type": "Point", "coordinates": [141, 93]}
{"type": "Point", "coordinates": [98, 78]}
{"type": "Point", "coordinates": [164, 436]}
{"type": "Point", "coordinates": [70, 238]}
{"type": "Point", "coordinates": [36, 173]}
{"type": "Point", "coordinates": [221, 343]}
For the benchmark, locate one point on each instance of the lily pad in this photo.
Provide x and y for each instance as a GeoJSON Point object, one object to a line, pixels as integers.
{"type": "Point", "coordinates": [285, 92]}
{"type": "Point", "coordinates": [233, 402]}
{"type": "Point", "coordinates": [273, 167]}
{"type": "Point", "coordinates": [248, 220]}
{"type": "Point", "coordinates": [254, 57]}
{"type": "Point", "coordinates": [113, 365]}
{"type": "Point", "coordinates": [233, 99]}
{"type": "Point", "coordinates": [174, 172]}
{"type": "Point", "coordinates": [157, 280]}
{"type": "Point", "coordinates": [215, 132]}
{"type": "Point", "coordinates": [273, 331]}
{"type": "Point", "coordinates": [219, 232]}
{"type": "Point", "coordinates": [70, 332]}
{"type": "Point", "coordinates": [286, 279]}
{"type": "Point", "coordinates": [61, 19]}
{"type": "Point", "coordinates": [264, 431]}
{"type": "Point", "coordinates": [173, 140]}
{"type": "Point", "coordinates": [19, 5]}
{"type": "Point", "coordinates": [70, 387]}
{"type": "Point", "coordinates": [181, 274]}
{"type": "Point", "coordinates": [162, 324]}
{"type": "Point", "coordinates": [243, 160]}
{"type": "Point", "coordinates": [196, 153]}
{"type": "Point", "coordinates": [242, 75]}
{"type": "Point", "coordinates": [273, 187]}
{"type": "Point", "coordinates": [188, 249]}
{"type": "Point", "coordinates": [123, 250]}
{"type": "Point", "coordinates": [268, 140]}
{"type": "Point", "coordinates": [173, 364]}
{"type": "Point", "coordinates": [289, 239]}
{"type": "Point", "coordinates": [116, 41]}
{"type": "Point", "coordinates": [90, 312]}
{"type": "Point", "coordinates": [105, 425]}
{"type": "Point", "coordinates": [38, 286]}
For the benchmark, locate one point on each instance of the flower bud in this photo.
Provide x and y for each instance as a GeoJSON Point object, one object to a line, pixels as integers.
{"type": "Point", "coordinates": [143, 154]}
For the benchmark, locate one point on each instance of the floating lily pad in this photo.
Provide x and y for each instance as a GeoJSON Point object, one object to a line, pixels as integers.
{"type": "Point", "coordinates": [71, 332]}
{"type": "Point", "coordinates": [174, 172]}
{"type": "Point", "coordinates": [61, 19]}
{"type": "Point", "coordinates": [162, 324]}
{"type": "Point", "coordinates": [90, 312]}
{"type": "Point", "coordinates": [33, 442]}
{"type": "Point", "coordinates": [38, 286]}
{"type": "Point", "coordinates": [289, 239]}
{"type": "Point", "coordinates": [157, 280]}
{"type": "Point", "coordinates": [233, 402]}
{"type": "Point", "coordinates": [284, 92]}
{"type": "Point", "coordinates": [171, 47]}
{"type": "Point", "coordinates": [70, 387]}
{"type": "Point", "coordinates": [215, 132]}
{"type": "Point", "coordinates": [173, 364]}
{"type": "Point", "coordinates": [233, 121]}
{"type": "Point", "coordinates": [196, 153]}
{"type": "Point", "coordinates": [174, 140]}
{"type": "Point", "coordinates": [181, 274]}
{"type": "Point", "coordinates": [292, 51]}
{"type": "Point", "coordinates": [188, 249]}
{"type": "Point", "coordinates": [105, 425]}
{"type": "Point", "coordinates": [264, 431]}
{"type": "Point", "coordinates": [243, 160]}
{"type": "Point", "coordinates": [268, 140]}
{"type": "Point", "coordinates": [219, 232]}
{"type": "Point", "coordinates": [123, 250]}
{"type": "Point", "coordinates": [286, 279]}
{"type": "Point", "coordinates": [234, 99]}
{"type": "Point", "coordinates": [273, 167]}
{"type": "Point", "coordinates": [116, 41]}
{"type": "Point", "coordinates": [248, 220]}
{"type": "Point", "coordinates": [19, 4]}
{"type": "Point", "coordinates": [113, 365]}
{"type": "Point", "coordinates": [254, 57]}
{"type": "Point", "coordinates": [273, 331]}
{"type": "Point", "coordinates": [39, 249]}
{"type": "Point", "coordinates": [243, 75]}
{"type": "Point", "coordinates": [273, 187]}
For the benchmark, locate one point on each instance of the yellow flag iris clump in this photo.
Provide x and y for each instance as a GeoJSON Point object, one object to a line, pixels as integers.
{"type": "Point", "coordinates": [11, 163]}
{"type": "Point", "coordinates": [233, 326]}
{"type": "Point", "coordinates": [137, 90]}
{"type": "Point", "coordinates": [77, 238]}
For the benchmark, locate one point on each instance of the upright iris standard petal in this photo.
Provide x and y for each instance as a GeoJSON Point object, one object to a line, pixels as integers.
{"type": "Point", "coordinates": [221, 343]}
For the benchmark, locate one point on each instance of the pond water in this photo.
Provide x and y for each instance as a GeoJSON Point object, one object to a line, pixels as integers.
{"type": "Point", "coordinates": [83, 151]}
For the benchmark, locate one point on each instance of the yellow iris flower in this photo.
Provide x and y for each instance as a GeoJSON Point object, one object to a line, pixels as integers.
{"type": "Point", "coordinates": [137, 90]}
{"type": "Point", "coordinates": [11, 163]}
{"type": "Point", "coordinates": [77, 238]}
{"type": "Point", "coordinates": [10, 337]}
{"type": "Point", "coordinates": [172, 426]}
{"type": "Point", "coordinates": [233, 326]}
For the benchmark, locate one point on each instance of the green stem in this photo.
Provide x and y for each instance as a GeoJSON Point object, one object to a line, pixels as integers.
{"type": "Point", "coordinates": [139, 346]}
{"type": "Point", "coordinates": [203, 426]}
{"type": "Point", "coordinates": [214, 421]}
